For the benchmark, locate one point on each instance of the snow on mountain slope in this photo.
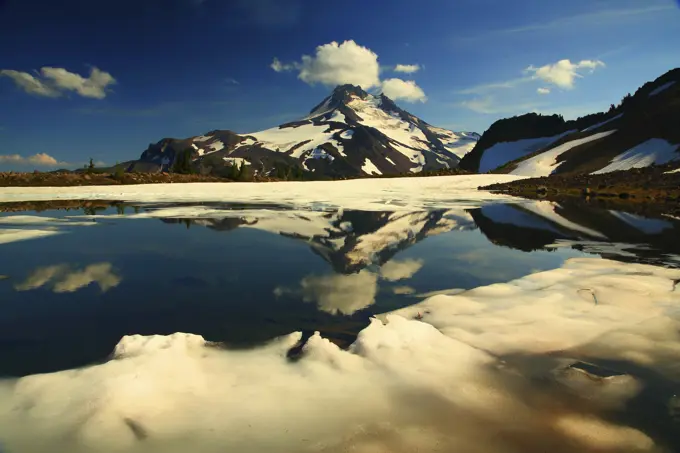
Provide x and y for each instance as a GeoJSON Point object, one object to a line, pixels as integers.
{"type": "Point", "coordinates": [655, 151]}
{"type": "Point", "coordinates": [459, 143]}
{"type": "Point", "coordinates": [545, 163]}
{"type": "Point", "coordinates": [662, 88]}
{"type": "Point", "coordinates": [503, 152]}
{"type": "Point", "coordinates": [599, 125]}
{"type": "Point", "coordinates": [350, 133]}
{"type": "Point", "coordinates": [284, 140]}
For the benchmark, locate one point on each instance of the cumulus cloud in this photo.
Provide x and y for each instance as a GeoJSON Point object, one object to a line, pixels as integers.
{"type": "Point", "coordinates": [543, 90]}
{"type": "Point", "coordinates": [564, 73]}
{"type": "Point", "coordinates": [403, 89]}
{"type": "Point", "coordinates": [337, 64]}
{"type": "Point", "coordinates": [55, 82]}
{"type": "Point", "coordinates": [39, 159]}
{"type": "Point", "coordinates": [349, 63]}
{"type": "Point", "coordinates": [407, 68]}
{"type": "Point", "coordinates": [64, 279]}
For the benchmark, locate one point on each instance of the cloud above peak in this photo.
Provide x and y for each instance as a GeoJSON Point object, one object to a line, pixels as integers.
{"type": "Point", "coordinates": [406, 90]}
{"type": "Point", "coordinates": [564, 73]}
{"type": "Point", "coordinates": [55, 82]}
{"type": "Point", "coordinates": [350, 63]}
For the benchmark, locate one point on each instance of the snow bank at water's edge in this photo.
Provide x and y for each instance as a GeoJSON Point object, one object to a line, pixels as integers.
{"type": "Point", "coordinates": [366, 194]}
{"type": "Point", "coordinates": [427, 379]}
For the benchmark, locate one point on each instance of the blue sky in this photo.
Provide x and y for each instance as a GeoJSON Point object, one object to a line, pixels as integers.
{"type": "Point", "coordinates": [104, 79]}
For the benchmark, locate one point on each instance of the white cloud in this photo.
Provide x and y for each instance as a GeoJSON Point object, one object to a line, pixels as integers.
{"type": "Point", "coordinates": [280, 67]}
{"type": "Point", "coordinates": [54, 82]}
{"type": "Point", "coordinates": [349, 63]}
{"type": "Point", "coordinates": [564, 73]}
{"type": "Point", "coordinates": [29, 83]}
{"type": "Point", "coordinates": [63, 279]}
{"type": "Point", "coordinates": [407, 68]}
{"type": "Point", "coordinates": [487, 87]}
{"type": "Point", "coordinates": [490, 105]}
{"type": "Point", "coordinates": [39, 159]}
{"type": "Point", "coordinates": [403, 89]}
{"type": "Point", "coordinates": [336, 64]}
{"type": "Point", "coordinates": [543, 90]}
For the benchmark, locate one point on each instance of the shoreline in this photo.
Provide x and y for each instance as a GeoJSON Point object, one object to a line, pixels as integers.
{"type": "Point", "coordinates": [650, 190]}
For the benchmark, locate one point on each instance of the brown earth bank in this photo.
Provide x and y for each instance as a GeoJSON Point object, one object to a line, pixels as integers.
{"type": "Point", "coordinates": [67, 178]}
{"type": "Point", "coordinates": [62, 179]}
{"type": "Point", "coordinates": [642, 190]}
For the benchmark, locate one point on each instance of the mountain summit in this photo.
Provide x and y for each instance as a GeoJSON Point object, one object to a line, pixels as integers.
{"type": "Point", "coordinates": [350, 133]}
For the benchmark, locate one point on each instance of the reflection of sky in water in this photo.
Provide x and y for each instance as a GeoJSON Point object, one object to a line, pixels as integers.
{"type": "Point", "coordinates": [88, 287]}
{"type": "Point", "coordinates": [68, 299]}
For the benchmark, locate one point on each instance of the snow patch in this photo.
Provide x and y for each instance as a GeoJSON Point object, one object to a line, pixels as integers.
{"type": "Point", "coordinates": [378, 194]}
{"type": "Point", "coordinates": [216, 146]}
{"type": "Point", "coordinates": [655, 151]}
{"type": "Point", "coordinates": [238, 161]}
{"type": "Point", "coordinates": [420, 381]}
{"type": "Point", "coordinates": [369, 168]}
{"type": "Point", "coordinates": [599, 125]}
{"type": "Point", "coordinates": [545, 163]}
{"type": "Point", "coordinates": [504, 152]}
{"type": "Point", "coordinates": [284, 139]}
{"type": "Point", "coordinates": [347, 135]}
{"type": "Point", "coordinates": [662, 88]}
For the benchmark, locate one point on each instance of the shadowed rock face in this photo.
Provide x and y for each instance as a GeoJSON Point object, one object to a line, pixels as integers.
{"type": "Point", "coordinates": [653, 112]}
{"type": "Point", "coordinates": [350, 133]}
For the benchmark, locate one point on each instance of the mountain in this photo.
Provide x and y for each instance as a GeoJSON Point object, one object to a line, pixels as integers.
{"type": "Point", "coordinates": [350, 133]}
{"type": "Point", "coordinates": [641, 131]}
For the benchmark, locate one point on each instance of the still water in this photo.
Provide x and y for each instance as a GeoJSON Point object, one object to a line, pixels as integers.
{"type": "Point", "coordinates": [74, 282]}
{"type": "Point", "coordinates": [243, 275]}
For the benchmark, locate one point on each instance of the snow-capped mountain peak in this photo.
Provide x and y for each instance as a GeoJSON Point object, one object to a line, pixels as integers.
{"type": "Point", "coordinates": [350, 133]}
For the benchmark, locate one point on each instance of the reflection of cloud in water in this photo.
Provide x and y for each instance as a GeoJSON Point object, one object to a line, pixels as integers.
{"type": "Point", "coordinates": [403, 290]}
{"type": "Point", "coordinates": [337, 293]}
{"type": "Point", "coordinates": [396, 270]}
{"type": "Point", "coordinates": [64, 279]}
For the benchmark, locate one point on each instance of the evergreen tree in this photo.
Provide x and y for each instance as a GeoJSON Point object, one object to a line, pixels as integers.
{"type": "Point", "coordinates": [182, 163]}
{"type": "Point", "coordinates": [233, 172]}
{"type": "Point", "coordinates": [281, 172]}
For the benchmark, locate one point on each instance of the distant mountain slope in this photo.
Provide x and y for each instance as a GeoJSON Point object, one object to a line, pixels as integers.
{"type": "Point", "coordinates": [643, 130]}
{"type": "Point", "coordinates": [350, 133]}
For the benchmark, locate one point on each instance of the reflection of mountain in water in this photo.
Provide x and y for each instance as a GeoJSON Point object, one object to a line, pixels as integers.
{"type": "Point", "coordinates": [349, 240]}
{"type": "Point", "coordinates": [354, 240]}
{"type": "Point", "coordinates": [611, 234]}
